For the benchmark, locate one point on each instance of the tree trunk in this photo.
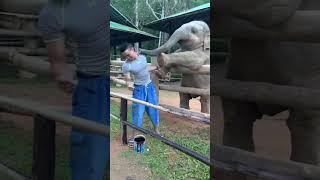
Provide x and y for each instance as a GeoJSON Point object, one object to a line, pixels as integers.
{"type": "Point", "coordinates": [136, 12]}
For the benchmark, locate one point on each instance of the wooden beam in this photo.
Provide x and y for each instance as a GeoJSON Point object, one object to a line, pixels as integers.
{"type": "Point", "coordinates": [29, 63]}
{"type": "Point", "coordinates": [47, 112]}
{"type": "Point", "coordinates": [236, 160]}
{"type": "Point", "coordinates": [44, 132]}
{"type": "Point", "coordinates": [123, 118]}
{"type": "Point", "coordinates": [11, 32]}
{"type": "Point", "coordinates": [267, 93]}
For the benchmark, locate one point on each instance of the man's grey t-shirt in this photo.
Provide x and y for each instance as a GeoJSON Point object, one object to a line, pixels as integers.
{"type": "Point", "coordinates": [139, 69]}
{"type": "Point", "coordinates": [85, 23]}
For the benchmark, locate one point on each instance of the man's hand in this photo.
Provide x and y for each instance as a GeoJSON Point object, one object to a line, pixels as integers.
{"type": "Point", "coordinates": [130, 86]}
{"type": "Point", "coordinates": [152, 68]}
{"type": "Point", "coordinates": [64, 75]}
{"type": "Point", "coordinates": [61, 71]}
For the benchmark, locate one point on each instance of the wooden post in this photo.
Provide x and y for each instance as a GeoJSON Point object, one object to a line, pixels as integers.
{"type": "Point", "coordinates": [154, 77]}
{"type": "Point", "coordinates": [123, 117]}
{"type": "Point", "coordinates": [43, 149]}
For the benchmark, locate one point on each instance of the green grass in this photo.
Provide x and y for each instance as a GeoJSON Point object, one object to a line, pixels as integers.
{"type": "Point", "coordinates": [163, 161]}
{"type": "Point", "coordinates": [16, 152]}
{"type": "Point", "coordinates": [5, 177]}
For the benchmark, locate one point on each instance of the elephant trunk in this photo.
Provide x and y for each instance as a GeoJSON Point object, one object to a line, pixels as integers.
{"type": "Point", "coordinates": [176, 36]}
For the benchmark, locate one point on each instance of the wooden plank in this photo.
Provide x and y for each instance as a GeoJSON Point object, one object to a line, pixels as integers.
{"type": "Point", "coordinates": [236, 160]}
{"type": "Point", "coordinates": [47, 112]}
{"type": "Point", "coordinates": [44, 132]}
{"type": "Point", "coordinates": [267, 93]}
{"type": "Point", "coordinates": [18, 15]}
{"type": "Point", "coordinates": [11, 32]}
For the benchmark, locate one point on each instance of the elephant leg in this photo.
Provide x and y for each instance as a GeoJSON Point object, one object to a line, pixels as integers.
{"type": "Point", "coordinates": [205, 104]}
{"type": "Point", "coordinates": [184, 100]}
{"type": "Point", "coordinates": [238, 123]}
{"type": "Point", "coordinates": [192, 60]}
{"type": "Point", "coordinates": [304, 127]}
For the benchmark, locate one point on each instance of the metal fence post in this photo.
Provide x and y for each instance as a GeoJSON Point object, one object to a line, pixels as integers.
{"type": "Point", "coordinates": [123, 117]}
{"type": "Point", "coordinates": [43, 149]}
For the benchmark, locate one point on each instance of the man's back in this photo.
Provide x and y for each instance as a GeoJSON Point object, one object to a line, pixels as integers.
{"type": "Point", "coordinates": [85, 23]}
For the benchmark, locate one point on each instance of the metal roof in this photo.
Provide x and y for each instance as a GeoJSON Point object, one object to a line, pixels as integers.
{"type": "Point", "coordinates": [170, 23]}
{"type": "Point", "coordinates": [118, 17]}
{"type": "Point", "coordinates": [120, 33]}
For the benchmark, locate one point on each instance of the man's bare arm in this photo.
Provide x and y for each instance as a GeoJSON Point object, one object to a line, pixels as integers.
{"type": "Point", "coordinates": [59, 67]}
{"type": "Point", "coordinates": [56, 55]}
{"type": "Point", "coordinates": [129, 82]}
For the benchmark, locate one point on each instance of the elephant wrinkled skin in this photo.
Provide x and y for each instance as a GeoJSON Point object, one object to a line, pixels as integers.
{"type": "Point", "coordinates": [194, 41]}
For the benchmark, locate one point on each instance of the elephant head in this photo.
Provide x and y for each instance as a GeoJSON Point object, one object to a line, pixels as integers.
{"type": "Point", "coordinates": [264, 13]}
{"type": "Point", "coordinates": [189, 36]}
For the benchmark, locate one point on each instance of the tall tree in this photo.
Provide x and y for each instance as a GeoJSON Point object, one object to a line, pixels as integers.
{"type": "Point", "coordinates": [136, 12]}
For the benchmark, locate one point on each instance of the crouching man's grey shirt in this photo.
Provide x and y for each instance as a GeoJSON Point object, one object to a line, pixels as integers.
{"type": "Point", "coordinates": [85, 23]}
{"type": "Point", "coordinates": [139, 69]}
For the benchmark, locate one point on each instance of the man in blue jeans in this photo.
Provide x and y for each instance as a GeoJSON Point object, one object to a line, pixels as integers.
{"type": "Point", "coordinates": [85, 22]}
{"type": "Point", "coordinates": [143, 88]}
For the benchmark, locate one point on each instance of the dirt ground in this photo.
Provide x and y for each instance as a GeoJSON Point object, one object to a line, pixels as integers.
{"type": "Point", "coordinates": [48, 94]}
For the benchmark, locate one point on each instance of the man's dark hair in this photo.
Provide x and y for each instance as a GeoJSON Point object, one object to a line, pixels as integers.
{"type": "Point", "coordinates": [123, 47]}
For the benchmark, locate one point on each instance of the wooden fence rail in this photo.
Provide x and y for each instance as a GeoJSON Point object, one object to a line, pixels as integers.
{"type": "Point", "coordinates": [290, 96]}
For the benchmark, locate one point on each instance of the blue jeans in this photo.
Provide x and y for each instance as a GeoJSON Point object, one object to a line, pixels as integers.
{"type": "Point", "coordinates": [145, 93]}
{"type": "Point", "coordinates": [89, 153]}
